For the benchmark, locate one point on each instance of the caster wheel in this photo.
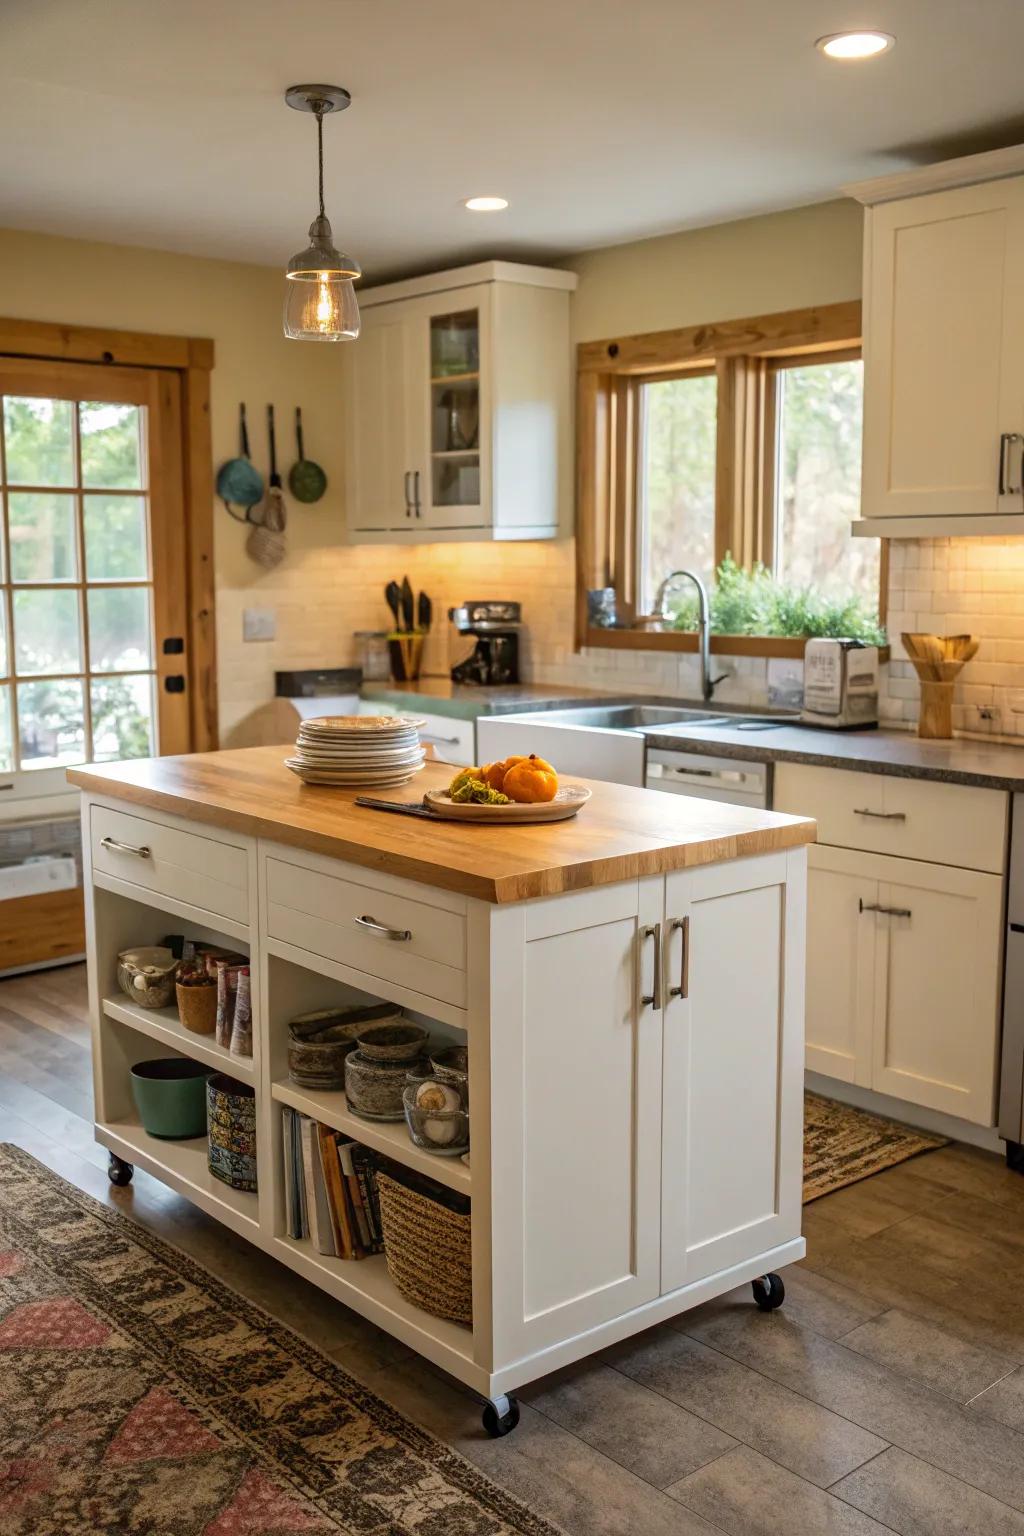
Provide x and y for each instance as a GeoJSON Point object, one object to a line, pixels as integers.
{"type": "Point", "coordinates": [769, 1292]}
{"type": "Point", "coordinates": [501, 1415]}
{"type": "Point", "coordinates": [118, 1171]}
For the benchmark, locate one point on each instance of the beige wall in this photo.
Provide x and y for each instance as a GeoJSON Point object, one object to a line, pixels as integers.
{"type": "Point", "coordinates": [325, 590]}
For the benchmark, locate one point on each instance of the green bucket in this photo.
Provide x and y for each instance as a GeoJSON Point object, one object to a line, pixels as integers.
{"type": "Point", "coordinates": [170, 1095]}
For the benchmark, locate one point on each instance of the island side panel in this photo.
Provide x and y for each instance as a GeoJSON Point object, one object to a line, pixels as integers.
{"type": "Point", "coordinates": [575, 1115]}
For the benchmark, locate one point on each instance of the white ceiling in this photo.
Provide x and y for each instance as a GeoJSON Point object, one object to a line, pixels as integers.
{"type": "Point", "coordinates": [161, 122]}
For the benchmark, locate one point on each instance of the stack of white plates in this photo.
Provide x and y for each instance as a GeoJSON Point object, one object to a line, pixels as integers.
{"type": "Point", "coordinates": [362, 751]}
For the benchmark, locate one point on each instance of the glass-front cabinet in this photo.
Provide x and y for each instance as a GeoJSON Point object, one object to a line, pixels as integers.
{"type": "Point", "coordinates": [449, 383]}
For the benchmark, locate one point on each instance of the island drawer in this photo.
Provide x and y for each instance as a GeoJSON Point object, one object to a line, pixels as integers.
{"type": "Point", "coordinates": [373, 928]}
{"type": "Point", "coordinates": [201, 870]}
{"type": "Point", "coordinates": [954, 824]}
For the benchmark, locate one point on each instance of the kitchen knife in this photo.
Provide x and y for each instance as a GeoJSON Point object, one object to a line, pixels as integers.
{"type": "Point", "coordinates": [400, 807]}
{"type": "Point", "coordinates": [393, 596]}
{"type": "Point", "coordinates": [425, 611]}
{"type": "Point", "coordinates": [407, 605]}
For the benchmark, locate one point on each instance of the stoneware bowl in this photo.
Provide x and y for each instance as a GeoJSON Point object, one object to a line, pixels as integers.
{"type": "Point", "coordinates": [147, 975]}
{"type": "Point", "coordinates": [451, 1065]}
{"type": "Point", "coordinates": [398, 1042]}
{"type": "Point", "coordinates": [374, 1088]}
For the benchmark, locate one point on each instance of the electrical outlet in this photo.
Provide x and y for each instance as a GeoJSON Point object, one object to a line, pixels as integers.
{"type": "Point", "coordinates": [259, 624]}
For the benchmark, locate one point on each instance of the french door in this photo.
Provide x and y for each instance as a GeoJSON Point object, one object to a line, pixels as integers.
{"type": "Point", "coordinates": [92, 569]}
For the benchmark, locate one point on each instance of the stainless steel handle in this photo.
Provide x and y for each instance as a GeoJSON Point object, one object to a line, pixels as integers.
{"type": "Point", "coordinates": [399, 934]}
{"type": "Point", "coordinates": [652, 931]}
{"type": "Point", "coordinates": [880, 815]}
{"type": "Point", "coordinates": [873, 906]}
{"type": "Point", "coordinates": [441, 741]}
{"type": "Point", "coordinates": [416, 492]}
{"type": "Point", "coordinates": [141, 852]}
{"type": "Point", "coordinates": [408, 498]}
{"type": "Point", "coordinates": [1005, 486]}
{"type": "Point", "coordinates": [682, 925]}
{"type": "Point", "coordinates": [7, 786]}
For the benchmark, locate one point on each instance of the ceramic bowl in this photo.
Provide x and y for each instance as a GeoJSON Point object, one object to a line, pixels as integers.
{"type": "Point", "coordinates": [397, 1042]}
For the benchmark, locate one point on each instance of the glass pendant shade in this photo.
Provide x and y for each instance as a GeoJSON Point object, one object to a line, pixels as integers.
{"type": "Point", "coordinates": [319, 300]}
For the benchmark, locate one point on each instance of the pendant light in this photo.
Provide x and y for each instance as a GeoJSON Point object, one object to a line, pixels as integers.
{"type": "Point", "coordinates": [320, 302]}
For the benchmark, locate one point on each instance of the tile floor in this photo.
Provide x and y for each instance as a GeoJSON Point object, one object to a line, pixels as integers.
{"type": "Point", "coordinates": [886, 1396]}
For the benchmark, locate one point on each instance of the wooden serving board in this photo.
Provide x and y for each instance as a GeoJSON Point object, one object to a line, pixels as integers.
{"type": "Point", "coordinates": [570, 799]}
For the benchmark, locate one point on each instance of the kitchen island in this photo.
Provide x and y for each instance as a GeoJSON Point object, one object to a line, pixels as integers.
{"type": "Point", "coordinates": [629, 986]}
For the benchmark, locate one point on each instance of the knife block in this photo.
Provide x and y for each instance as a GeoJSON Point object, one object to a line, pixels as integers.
{"type": "Point", "coordinates": [406, 652]}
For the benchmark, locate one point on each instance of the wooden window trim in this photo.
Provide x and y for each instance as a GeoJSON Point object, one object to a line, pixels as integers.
{"type": "Point", "coordinates": [746, 355]}
{"type": "Point", "coordinates": [191, 358]}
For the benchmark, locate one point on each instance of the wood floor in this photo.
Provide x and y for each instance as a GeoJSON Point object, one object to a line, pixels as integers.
{"type": "Point", "coordinates": [887, 1395]}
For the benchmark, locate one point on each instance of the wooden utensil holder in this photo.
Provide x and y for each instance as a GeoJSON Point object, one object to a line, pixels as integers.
{"type": "Point", "coordinates": [936, 718]}
{"type": "Point", "coordinates": [406, 652]}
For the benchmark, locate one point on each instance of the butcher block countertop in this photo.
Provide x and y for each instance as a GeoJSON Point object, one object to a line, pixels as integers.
{"type": "Point", "coordinates": [622, 832]}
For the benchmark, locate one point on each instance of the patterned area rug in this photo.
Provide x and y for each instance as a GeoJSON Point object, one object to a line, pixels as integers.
{"type": "Point", "coordinates": [139, 1395]}
{"type": "Point", "coordinates": [843, 1145]}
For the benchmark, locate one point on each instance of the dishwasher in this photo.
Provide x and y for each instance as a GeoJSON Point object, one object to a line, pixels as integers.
{"type": "Point", "coordinates": [708, 778]}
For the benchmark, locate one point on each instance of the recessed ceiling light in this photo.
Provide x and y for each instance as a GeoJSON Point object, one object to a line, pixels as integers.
{"type": "Point", "coordinates": [485, 204]}
{"type": "Point", "coordinates": [855, 45]}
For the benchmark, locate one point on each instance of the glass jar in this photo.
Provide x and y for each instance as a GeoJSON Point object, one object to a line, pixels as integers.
{"type": "Point", "coordinates": [372, 654]}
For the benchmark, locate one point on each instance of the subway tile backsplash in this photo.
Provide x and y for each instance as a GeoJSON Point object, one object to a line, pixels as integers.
{"type": "Point", "coordinates": [321, 596]}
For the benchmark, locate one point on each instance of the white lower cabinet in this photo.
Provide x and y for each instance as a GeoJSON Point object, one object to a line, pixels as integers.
{"type": "Point", "coordinates": [903, 979]}
{"type": "Point", "coordinates": [656, 1142]}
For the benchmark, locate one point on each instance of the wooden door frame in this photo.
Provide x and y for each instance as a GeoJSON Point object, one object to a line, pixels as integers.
{"type": "Point", "coordinates": [192, 359]}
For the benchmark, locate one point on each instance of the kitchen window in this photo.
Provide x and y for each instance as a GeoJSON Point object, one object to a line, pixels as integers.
{"type": "Point", "coordinates": [741, 440]}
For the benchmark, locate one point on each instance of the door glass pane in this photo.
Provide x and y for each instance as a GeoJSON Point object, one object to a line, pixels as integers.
{"type": "Point", "coordinates": [122, 717]}
{"type": "Point", "coordinates": [818, 482]}
{"type": "Point", "coordinates": [111, 453]}
{"type": "Point", "coordinates": [47, 635]}
{"type": "Point", "coordinates": [6, 745]}
{"type": "Point", "coordinates": [44, 546]}
{"type": "Point", "coordinates": [38, 441]}
{"type": "Point", "coordinates": [118, 629]}
{"type": "Point", "coordinates": [677, 481]}
{"type": "Point", "coordinates": [116, 548]}
{"type": "Point", "coordinates": [454, 344]}
{"type": "Point", "coordinates": [5, 661]}
{"type": "Point", "coordinates": [51, 722]}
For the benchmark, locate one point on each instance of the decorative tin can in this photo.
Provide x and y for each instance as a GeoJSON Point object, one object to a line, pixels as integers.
{"type": "Point", "coordinates": [231, 1112]}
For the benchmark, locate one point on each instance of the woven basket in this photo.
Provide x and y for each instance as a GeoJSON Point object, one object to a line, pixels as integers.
{"type": "Point", "coordinates": [428, 1252]}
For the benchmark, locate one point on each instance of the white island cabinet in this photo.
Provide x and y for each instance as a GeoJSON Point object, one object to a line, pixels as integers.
{"type": "Point", "coordinates": [629, 986]}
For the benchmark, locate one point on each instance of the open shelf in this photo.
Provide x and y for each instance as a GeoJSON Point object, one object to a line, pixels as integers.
{"type": "Point", "coordinates": [390, 1138]}
{"type": "Point", "coordinates": [456, 453]}
{"type": "Point", "coordinates": [366, 1287]}
{"type": "Point", "coordinates": [183, 1165]}
{"type": "Point", "coordinates": [454, 378]}
{"type": "Point", "coordinates": [163, 1024]}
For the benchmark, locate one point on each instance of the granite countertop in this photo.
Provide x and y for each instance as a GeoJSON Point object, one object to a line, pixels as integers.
{"type": "Point", "coordinates": [989, 765]}
{"type": "Point", "coordinates": [464, 701]}
{"type": "Point", "coordinates": [621, 834]}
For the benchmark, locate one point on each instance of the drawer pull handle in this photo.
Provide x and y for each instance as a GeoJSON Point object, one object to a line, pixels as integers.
{"type": "Point", "coordinates": [399, 934]}
{"type": "Point", "coordinates": [880, 815]}
{"type": "Point", "coordinates": [653, 931]}
{"type": "Point", "coordinates": [682, 926]}
{"type": "Point", "coordinates": [140, 852]}
{"type": "Point", "coordinates": [441, 741]}
{"type": "Point", "coordinates": [873, 906]}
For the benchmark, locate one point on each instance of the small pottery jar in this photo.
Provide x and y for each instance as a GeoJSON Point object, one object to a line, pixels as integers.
{"type": "Point", "coordinates": [197, 1004]}
{"type": "Point", "coordinates": [231, 1112]}
{"type": "Point", "coordinates": [401, 1041]}
{"type": "Point", "coordinates": [319, 1042]}
{"type": "Point", "coordinates": [451, 1065]}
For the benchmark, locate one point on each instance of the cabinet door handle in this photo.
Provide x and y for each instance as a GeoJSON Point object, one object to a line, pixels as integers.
{"type": "Point", "coordinates": [880, 815]}
{"type": "Point", "coordinates": [652, 931]}
{"type": "Point", "coordinates": [416, 492]}
{"type": "Point", "coordinates": [873, 906]}
{"type": "Point", "coordinates": [140, 852]}
{"type": "Point", "coordinates": [408, 499]}
{"type": "Point", "coordinates": [682, 926]}
{"type": "Point", "coordinates": [1006, 439]}
{"type": "Point", "coordinates": [399, 934]}
{"type": "Point", "coordinates": [440, 741]}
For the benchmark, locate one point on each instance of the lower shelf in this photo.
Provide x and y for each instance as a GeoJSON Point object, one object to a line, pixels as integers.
{"type": "Point", "coordinates": [366, 1287]}
{"type": "Point", "coordinates": [183, 1166]}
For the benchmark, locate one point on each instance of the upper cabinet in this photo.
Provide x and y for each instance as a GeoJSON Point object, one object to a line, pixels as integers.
{"type": "Point", "coordinates": [943, 361]}
{"type": "Point", "coordinates": [457, 404]}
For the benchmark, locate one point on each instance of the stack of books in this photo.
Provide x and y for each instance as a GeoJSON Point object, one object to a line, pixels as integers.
{"type": "Point", "coordinates": [330, 1189]}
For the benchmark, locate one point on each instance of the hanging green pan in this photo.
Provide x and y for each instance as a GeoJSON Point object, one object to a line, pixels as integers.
{"type": "Point", "coordinates": [306, 480]}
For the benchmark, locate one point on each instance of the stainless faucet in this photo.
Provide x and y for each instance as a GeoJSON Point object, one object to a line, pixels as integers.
{"type": "Point", "coordinates": [707, 682]}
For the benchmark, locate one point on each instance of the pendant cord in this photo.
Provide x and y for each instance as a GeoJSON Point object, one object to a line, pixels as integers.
{"type": "Point", "coordinates": [320, 155]}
